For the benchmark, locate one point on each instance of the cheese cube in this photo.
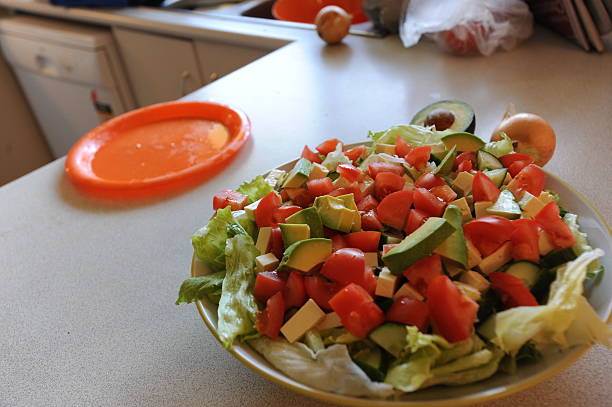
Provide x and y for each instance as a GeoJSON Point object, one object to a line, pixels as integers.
{"type": "Point", "coordinates": [474, 257]}
{"type": "Point", "coordinates": [406, 290]}
{"type": "Point", "coordinates": [452, 268]}
{"type": "Point", "coordinates": [385, 148]}
{"type": "Point", "coordinates": [530, 205]}
{"type": "Point", "coordinates": [544, 243]}
{"type": "Point", "coordinates": [475, 279]}
{"type": "Point", "coordinates": [331, 320]}
{"type": "Point", "coordinates": [386, 283]}
{"type": "Point", "coordinates": [464, 207]}
{"type": "Point", "coordinates": [304, 319]}
{"type": "Point", "coordinates": [545, 197]}
{"type": "Point", "coordinates": [507, 179]}
{"type": "Point", "coordinates": [266, 262]}
{"type": "Point", "coordinates": [263, 239]}
{"type": "Point", "coordinates": [371, 259]}
{"type": "Point", "coordinates": [341, 182]}
{"type": "Point", "coordinates": [481, 208]}
{"type": "Point", "coordinates": [468, 290]}
{"type": "Point", "coordinates": [318, 171]}
{"type": "Point", "coordinates": [463, 182]}
{"type": "Point", "coordinates": [496, 259]}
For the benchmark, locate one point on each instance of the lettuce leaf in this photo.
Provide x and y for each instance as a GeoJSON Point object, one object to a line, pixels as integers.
{"type": "Point", "coordinates": [255, 189]}
{"type": "Point", "coordinates": [414, 135]}
{"type": "Point", "coordinates": [198, 288]}
{"type": "Point", "coordinates": [582, 245]}
{"type": "Point", "coordinates": [501, 147]}
{"type": "Point", "coordinates": [237, 307]}
{"type": "Point", "coordinates": [335, 158]}
{"type": "Point", "coordinates": [472, 368]}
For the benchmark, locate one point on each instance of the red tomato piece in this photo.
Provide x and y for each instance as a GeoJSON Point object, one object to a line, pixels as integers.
{"type": "Point", "coordinates": [294, 292]}
{"type": "Point", "coordinates": [512, 290]}
{"type": "Point", "coordinates": [270, 320]}
{"type": "Point", "coordinates": [421, 273]}
{"type": "Point", "coordinates": [348, 297]}
{"type": "Point", "coordinates": [488, 233]}
{"type": "Point", "coordinates": [516, 167]}
{"type": "Point", "coordinates": [345, 266]}
{"type": "Point", "coordinates": [311, 156]}
{"type": "Point", "coordinates": [304, 198]}
{"type": "Point", "coordinates": [284, 195]}
{"type": "Point", "coordinates": [328, 146]}
{"type": "Point", "coordinates": [338, 242]}
{"type": "Point", "coordinates": [550, 220]}
{"type": "Point", "coordinates": [415, 219]}
{"type": "Point", "coordinates": [408, 311]}
{"type": "Point", "coordinates": [530, 179]}
{"type": "Point", "coordinates": [267, 283]}
{"type": "Point", "coordinates": [386, 183]}
{"type": "Point", "coordinates": [418, 157]}
{"type": "Point", "coordinates": [369, 280]}
{"type": "Point", "coordinates": [444, 192]}
{"type": "Point", "coordinates": [393, 209]}
{"type": "Point", "coordinates": [376, 168]}
{"type": "Point", "coordinates": [277, 246]}
{"type": "Point", "coordinates": [428, 202]}
{"type": "Point", "coordinates": [508, 159]}
{"type": "Point", "coordinates": [355, 153]}
{"type": "Point", "coordinates": [369, 221]}
{"type": "Point", "coordinates": [357, 310]}
{"type": "Point", "coordinates": [283, 212]}
{"type": "Point", "coordinates": [364, 241]}
{"type": "Point", "coordinates": [451, 312]}
{"type": "Point", "coordinates": [467, 156]}
{"type": "Point", "coordinates": [428, 180]}
{"type": "Point", "coordinates": [227, 197]}
{"type": "Point", "coordinates": [483, 189]}
{"type": "Point", "coordinates": [321, 290]}
{"type": "Point", "coordinates": [349, 172]}
{"type": "Point", "coordinates": [264, 213]}
{"type": "Point", "coordinates": [320, 186]}
{"type": "Point", "coordinates": [367, 203]}
{"type": "Point", "coordinates": [465, 166]}
{"type": "Point", "coordinates": [402, 147]}
{"type": "Point", "coordinates": [525, 240]}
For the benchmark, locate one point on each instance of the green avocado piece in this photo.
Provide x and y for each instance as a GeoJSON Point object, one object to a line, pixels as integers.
{"type": "Point", "coordinates": [418, 245]}
{"type": "Point", "coordinates": [446, 165]}
{"type": "Point", "coordinates": [461, 117]}
{"type": "Point", "coordinates": [335, 214]}
{"type": "Point", "coordinates": [299, 174]}
{"type": "Point", "coordinates": [454, 247]}
{"type": "Point", "coordinates": [349, 202]}
{"type": "Point", "coordinates": [306, 254]}
{"type": "Point", "coordinates": [309, 216]}
{"type": "Point", "coordinates": [463, 141]}
{"type": "Point", "coordinates": [294, 232]}
{"type": "Point", "coordinates": [505, 206]}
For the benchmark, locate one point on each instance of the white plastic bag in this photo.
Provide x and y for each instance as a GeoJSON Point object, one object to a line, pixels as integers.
{"type": "Point", "coordinates": [467, 26]}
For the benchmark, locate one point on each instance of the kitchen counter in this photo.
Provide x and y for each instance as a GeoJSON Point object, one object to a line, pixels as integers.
{"type": "Point", "coordinates": [88, 287]}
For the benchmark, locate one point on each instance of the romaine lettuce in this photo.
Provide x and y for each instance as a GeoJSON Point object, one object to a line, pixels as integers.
{"type": "Point", "coordinates": [501, 147]}
{"type": "Point", "coordinates": [197, 288]}
{"type": "Point", "coordinates": [255, 189]}
{"type": "Point", "coordinates": [412, 134]}
{"type": "Point", "coordinates": [582, 245]}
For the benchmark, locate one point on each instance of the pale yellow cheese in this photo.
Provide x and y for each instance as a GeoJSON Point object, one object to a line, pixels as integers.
{"type": "Point", "coordinates": [498, 258]}
{"type": "Point", "coordinates": [530, 205]}
{"type": "Point", "coordinates": [318, 171]}
{"type": "Point", "coordinates": [545, 197]}
{"type": "Point", "coordinates": [371, 259]}
{"type": "Point", "coordinates": [481, 208]}
{"type": "Point", "coordinates": [330, 320]}
{"type": "Point", "coordinates": [406, 290]}
{"type": "Point", "coordinates": [468, 290]}
{"type": "Point", "coordinates": [474, 257]}
{"type": "Point", "coordinates": [385, 148]}
{"type": "Point", "coordinates": [386, 283]}
{"type": "Point", "coordinates": [266, 262]}
{"type": "Point", "coordinates": [464, 207]}
{"type": "Point", "coordinates": [263, 239]}
{"type": "Point", "coordinates": [463, 182]}
{"type": "Point", "coordinates": [545, 245]}
{"type": "Point", "coordinates": [475, 279]}
{"type": "Point", "coordinates": [304, 319]}
{"type": "Point", "coordinates": [507, 178]}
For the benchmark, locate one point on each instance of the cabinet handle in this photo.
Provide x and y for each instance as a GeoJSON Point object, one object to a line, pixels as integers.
{"type": "Point", "coordinates": [213, 77]}
{"type": "Point", "coordinates": [183, 83]}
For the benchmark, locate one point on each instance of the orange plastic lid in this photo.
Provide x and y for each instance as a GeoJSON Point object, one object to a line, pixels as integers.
{"type": "Point", "coordinates": [157, 149]}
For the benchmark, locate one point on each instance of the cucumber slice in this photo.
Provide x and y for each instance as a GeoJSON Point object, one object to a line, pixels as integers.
{"type": "Point", "coordinates": [446, 165]}
{"type": "Point", "coordinates": [373, 373]}
{"type": "Point", "coordinates": [557, 258]}
{"type": "Point", "coordinates": [387, 238]}
{"type": "Point", "coordinates": [487, 161]}
{"type": "Point", "coordinates": [527, 271]}
{"type": "Point", "coordinates": [390, 337]}
{"type": "Point", "coordinates": [437, 159]}
{"type": "Point", "coordinates": [497, 176]}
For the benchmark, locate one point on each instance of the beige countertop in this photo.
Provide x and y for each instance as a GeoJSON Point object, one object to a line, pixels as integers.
{"type": "Point", "coordinates": [87, 288]}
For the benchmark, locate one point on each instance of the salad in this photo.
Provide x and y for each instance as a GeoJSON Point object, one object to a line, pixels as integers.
{"type": "Point", "coordinates": [422, 258]}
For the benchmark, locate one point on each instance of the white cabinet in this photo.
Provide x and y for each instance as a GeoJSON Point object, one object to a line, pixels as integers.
{"type": "Point", "coordinates": [217, 59]}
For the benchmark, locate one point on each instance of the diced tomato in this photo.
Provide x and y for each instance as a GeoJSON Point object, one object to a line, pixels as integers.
{"type": "Point", "coordinates": [367, 203]}
{"type": "Point", "coordinates": [320, 186]}
{"type": "Point", "coordinates": [530, 179]}
{"type": "Point", "coordinates": [264, 213]}
{"type": "Point", "coordinates": [406, 310]}
{"type": "Point", "coordinates": [349, 172]}
{"type": "Point", "coordinates": [428, 180]}
{"type": "Point", "coordinates": [376, 168]}
{"type": "Point", "coordinates": [393, 209]}
{"type": "Point", "coordinates": [355, 153]}
{"type": "Point", "coordinates": [512, 290]}
{"type": "Point", "coordinates": [277, 246]}
{"type": "Point", "coordinates": [516, 167]}
{"type": "Point", "coordinates": [467, 156]}
{"type": "Point", "coordinates": [369, 280]}
{"type": "Point", "coordinates": [283, 212]}
{"type": "Point", "coordinates": [386, 183]}
{"type": "Point", "coordinates": [415, 219]}
{"type": "Point", "coordinates": [338, 242]}
{"type": "Point", "coordinates": [284, 195]}
{"type": "Point", "coordinates": [364, 241]}
{"type": "Point", "coordinates": [444, 192]}
{"type": "Point", "coordinates": [304, 199]}
{"type": "Point", "coordinates": [428, 202]}
{"type": "Point", "coordinates": [508, 159]}
{"type": "Point", "coordinates": [311, 156]}
{"type": "Point", "coordinates": [357, 310]}
{"type": "Point", "coordinates": [270, 320]}
{"type": "Point", "coordinates": [354, 189]}
{"type": "Point", "coordinates": [525, 240]}
{"type": "Point", "coordinates": [418, 157]}
{"type": "Point", "coordinates": [488, 233]}
{"type": "Point", "coordinates": [387, 247]}
{"type": "Point", "coordinates": [465, 166]}
{"type": "Point", "coordinates": [294, 292]}
{"type": "Point", "coordinates": [227, 197]}
{"type": "Point", "coordinates": [559, 232]}
{"type": "Point", "coordinates": [345, 266]}
{"type": "Point", "coordinates": [321, 290]}
{"type": "Point", "coordinates": [483, 189]}
{"type": "Point", "coordinates": [267, 283]}
{"type": "Point", "coordinates": [421, 273]}
{"type": "Point", "coordinates": [366, 186]}
{"type": "Point", "coordinates": [328, 146]}
{"type": "Point", "coordinates": [451, 312]}
{"type": "Point", "coordinates": [369, 221]}
{"type": "Point", "coordinates": [402, 147]}
{"type": "Point", "coordinates": [351, 295]}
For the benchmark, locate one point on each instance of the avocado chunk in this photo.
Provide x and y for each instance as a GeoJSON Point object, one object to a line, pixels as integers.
{"type": "Point", "coordinates": [463, 141]}
{"type": "Point", "coordinates": [454, 247]}
{"type": "Point", "coordinates": [390, 337]}
{"type": "Point", "coordinates": [336, 214]}
{"type": "Point", "coordinates": [309, 216]}
{"type": "Point", "coordinates": [299, 174]}
{"type": "Point", "coordinates": [505, 206]}
{"type": "Point", "coordinates": [294, 232]}
{"type": "Point", "coordinates": [418, 245]}
{"type": "Point", "coordinates": [305, 254]}
{"type": "Point", "coordinates": [446, 165]}
{"type": "Point", "coordinates": [451, 115]}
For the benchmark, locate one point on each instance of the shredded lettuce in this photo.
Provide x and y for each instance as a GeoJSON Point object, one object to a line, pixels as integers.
{"type": "Point", "coordinates": [335, 158]}
{"type": "Point", "coordinates": [582, 245]}
{"type": "Point", "coordinates": [414, 135]}
{"type": "Point", "coordinates": [501, 147]}
{"type": "Point", "coordinates": [247, 223]}
{"type": "Point", "coordinates": [198, 288]}
{"type": "Point", "coordinates": [237, 307]}
{"type": "Point", "coordinates": [255, 189]}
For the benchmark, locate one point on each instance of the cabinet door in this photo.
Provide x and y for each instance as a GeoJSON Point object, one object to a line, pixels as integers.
{"type": "Point", "coordinates": [218, 59]}
{"type": "Point", "coordinates": [160, 68]}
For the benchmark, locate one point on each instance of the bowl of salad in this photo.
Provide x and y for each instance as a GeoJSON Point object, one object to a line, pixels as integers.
{"type": "Point", "coordinates": [422, 267]}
